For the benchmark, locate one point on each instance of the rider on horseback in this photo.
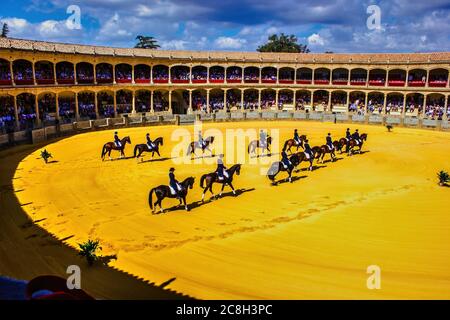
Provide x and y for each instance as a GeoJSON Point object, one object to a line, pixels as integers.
{"type": "Point", "coordinates": [150, 143]}
{"type": "Point", "coordinates": [356, 137]}
{"type": "Point", "coordinates": [201, 141]}
{"type": "Point", "coordinates": [308, 150]}
{"type": "Point", "coordinates": [348, 135]}
{"type": "Point", "coordinates": [262, 138]}
{"type": "Point", "coordinates": [117, 140]}
{"type": "Point", "coordinates": [297, 138]}
{"type": "Point", "coordinates": [285, 160]}
{"type": "Point", "coordinates": [330, 142]}
{"type": "Point", "coordinates": [221, 169]}
{"type": "Point", "coordinates": [175, 186]}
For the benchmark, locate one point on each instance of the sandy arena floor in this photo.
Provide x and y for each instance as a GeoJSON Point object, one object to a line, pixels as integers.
{"type": "Point", "coordinates": [310, 239]}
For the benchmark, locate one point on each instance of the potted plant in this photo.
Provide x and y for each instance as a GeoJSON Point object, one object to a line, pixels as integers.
{"type": "Point", "coordinates": [443, 177]}
{"type": "Point", "coordinates": [88, 250]}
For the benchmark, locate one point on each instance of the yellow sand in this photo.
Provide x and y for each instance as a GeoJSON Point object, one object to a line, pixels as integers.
{"type": "Point", "coordinates": [310, 239]}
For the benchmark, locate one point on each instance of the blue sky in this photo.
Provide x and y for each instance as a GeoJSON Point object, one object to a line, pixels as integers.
{"type": "Point", "coordinates": [324, 25]}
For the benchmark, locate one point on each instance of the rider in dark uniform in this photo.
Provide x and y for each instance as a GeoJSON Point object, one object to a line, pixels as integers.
{"type": "Point", "coordinates": [348, 137]}
{"type": "Point", "coordinates": [285, 160]}
{"type": "Point", "coordinates": [221, 169]}
{"type": "Point", "coordinates": [356, 137]}
{"type": "Point", "coordinates": [329, 142]}
{"type": "Point", "coordinates": [117, 140]}
{"type": "Point", "coordinates": [297, 137]}
{"type": "Point", "coordinates": [149, 142]}
{"type": "Point", "coordinates": [173, 182]}
{"type": "Point", "coordinates": [308, 149]}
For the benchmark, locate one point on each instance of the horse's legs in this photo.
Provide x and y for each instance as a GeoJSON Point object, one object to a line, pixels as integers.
{"type": "Point", "coordinates": [223, 187]}
{"type": "Point", "coordinates": [232, 188]}
{"type": "Point", "coordinates": [310, 165]}
{"type": "Point", "coordinates": [109, 154]}
{"type": "Point", "coordinates": [185, 204]}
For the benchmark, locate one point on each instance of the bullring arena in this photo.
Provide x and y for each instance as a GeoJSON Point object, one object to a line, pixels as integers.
{"type": "Point", "coordinates": [310, 239]}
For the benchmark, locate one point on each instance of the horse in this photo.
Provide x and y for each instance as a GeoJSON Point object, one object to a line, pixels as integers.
{"type": "Point", "coordinates": [109, 146]}
{"type": "Point", "coordinates": [342, 142]}
{"type": "Point", "coordinates": [302, 157]}
{"type": "Point", "coordinates": [195, 145]}
{"type": "Point", "coordinates": [211, 178]}
{"type": "Point", "coordinates": [277, 167]}
{"type": "Point", "coordinates": [252, 146]}
{"type": "Point", "coordinates": [352, 144]}
{"type": "Point", "coordinates": [144, 148]}
{"type": "Point", "coordinates": [324, 150]}
{"type": "Point", "coordinates": [292, 143]}
{"type": "Point", "coordinates": [317, 152]}
{"type": "Point", "coordinates": [163, 191]}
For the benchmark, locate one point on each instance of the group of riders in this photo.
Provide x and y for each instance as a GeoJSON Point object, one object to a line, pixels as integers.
{"type": "Point", "coordinates": [308, 150]}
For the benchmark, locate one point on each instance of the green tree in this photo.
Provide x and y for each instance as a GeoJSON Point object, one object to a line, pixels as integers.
{"type": "Point", "coordinates": [283, 43]}
{"type": "Point", "coordinates": [5, 30]}
{"type": "Point", "coordinates": [145, 42]}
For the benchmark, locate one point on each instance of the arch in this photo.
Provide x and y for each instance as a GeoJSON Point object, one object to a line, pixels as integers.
{"type": "Point", "coordinates": [161, 100]}
{"type": "Point", "coordinates": [216, 74]}
{"type": "Point", "coordinates": [180, 74]}
{"type": "Point", "coordinates": [199, 74]}
{"type": "Point", "coordinates": [234, 74]}
{"type": "Point", "coordinates": [143, 101]}
{"type": "Point", "coordinates": [417, 78]}
{"type": "Point", "coordinates": [124, 101]}
{"type": "Point", "coordinates": [44, 72]}
{"type": "Point", "coordinates": [338, 100]}
{"type": "Point", "coordinates": [251, 74]}
{"type": "Point", "coordinates": [322, 76]}
{"type": "Point", "coordinates": [233, 99]}
{"type": "Point", "coordinates": [375, 102]}
{"type": "Point", "coordinates": [180, 101]}
{"type": "Point", "coordinates": [340, 76]}
{"type": "Point", "coordinates": [357, 100]}
{"type": "Point", "coordinates": [251, 99]}
{"type": "Point", "coordinates": [142, 73]}
{"type": "Point", "coordinates": [286, 75]}
{"type": "Point", "coordinates": [86, 105]}
{"type": "Point", "coordinates": [7, 113]}
{"type": "Point", "coordinates": [303, 99]}
{"type": "Point", "coordinates": [23, 72]}
{"type": "Point", "coordinates": [5, 73]}
{"type": "Point", "coordinates": [321, 99]}
{"type": "Point", "coordinates": [397, 78]}
{"type": "Point", "coordinates": [85, 72]}
{"type": "Point", "coordinates": [67, 107]}
{"type": "Point", "coordinates": [414, 104]}
{"type": "Point", "coordinates": [65, 73]}
{"type": "Point", "coordinates": [47, 107]}
{"type": "Point", "coordinates": [26, 109]}
{"type": "Point", "coordinates": [438, 78]}
{"type": "Point", "coordinates": [160, 74]}
{"type": "Point", "coordinates": [268, 97]}
{"type": "Point", "coordinates": [269, 75]}
{"type": "Point", "coordinates": [104, 73]}
{"type": "Point", "coordinates": [358, 77]}
{"type": "Point", "coordinates": [286, 99]}
{"type": "Point", "coordinates": [434, 106]}
{"type": "Point", "coordinates": [105, 104]}
{"type": "Point", "coordinates": [216, 100]}
{"type": "Point", "coordinates": [304, 76]}
{"type": "Point", "coordinates": [377, 77]}
{"type": "Point", "coordinates": [123, 73]}
{"type": "Point", "coordinates": [199, 100]}
{"type": "Point", "coordinates": [394, 103]}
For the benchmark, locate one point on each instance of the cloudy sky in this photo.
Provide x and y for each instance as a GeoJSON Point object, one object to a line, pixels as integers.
{"type": "Point", "coordinates": [325, 25]}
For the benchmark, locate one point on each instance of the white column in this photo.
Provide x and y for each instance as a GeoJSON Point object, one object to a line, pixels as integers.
{"type": "Point", "coordinates": [152, 108]}
{"type": "Point", "coordinates": [77, 110]}
{"type": "Point", "coordinates": [190, 102]}
{"type": "Point", "coordinates": [57, 105]}
{"type": "Point", "coordinates": [170, 100]}
{"type": "Point", "coordinates": [133, 102]}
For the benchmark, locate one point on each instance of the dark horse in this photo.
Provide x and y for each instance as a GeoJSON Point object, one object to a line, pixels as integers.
{"type": "Point", "coordinates": [303, 158]}
{"type": "Point", "coordinates": [292, 143]}
{"type": "Point", "coordinates": [277, 167]}
{"type": "Point", "coordinates": [256, 144]}
{"type": "Point", "coordinates": [352, 144]}
{"type": "Point", "coordinates": [211, 178]}
{"type": "Point", "coordinates": [195, 145]}
{"type": "Point", "coordinates": [109, 146]}
{"type": "Point", "coordinates": [163, 191]}
{"type": "Point", "coordinates": [324, 150]}
{"type": "Point", "coordinates": [144, 148]}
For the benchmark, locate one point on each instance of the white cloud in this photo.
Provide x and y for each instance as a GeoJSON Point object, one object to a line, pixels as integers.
{"type": "Point", "coordinates": [229, 43]}
{"type": "Point", "coordinates": [316, 39]}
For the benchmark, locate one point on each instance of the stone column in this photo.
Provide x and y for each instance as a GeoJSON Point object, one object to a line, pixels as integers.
{"type": "Point", "coordinates": [385, 103]}
{"type": "Point", "coordinates": [133, 102]}
{"type": "Point", "coordinates": [75, 78]}
{"type": "Point", "coordinates": [152, 107]}
{"type": "Point", "coordinates": [224, 100]}
{"type": "Point", "coordinates": [295, 75]}
{"type": "Point", "coordinates": [242, 100]}
{"type": "Point", "coordinates": [96, 105]}
{"type": "Point", "coordinates": [278, 75]}
{"type": "Point", "coordinates": [348, 101]}
{"type": "Point", "coordinates": [57, 105]}
{"type": "Point", "coordinates": [277, 92]}
{"type": "Point", "coordinates": [114, 73]}
{"type": "Point", "coordinates": [190, 102]}
{"type": "Point", "coordinates": [259, 99]}
{"type": "Point", "coordinates": [294, 99]}
{"type": "Point", "coordinates": [34, 72]}
{"type": "Point", "coordinates": [115, 103]}
{"type": "Point", "coordinates": [207, 74]}
{"type": "Point", "coordinates": [404, 104]}
{"type": "Point", "coordinates": [329, 101]}
{"type": "Point", "coordinates": [16, 111]}
{"type": "Point", "coordinates": [36, 108]}
{"type": "Point", "coordinates": [77, 109]}
{"type": "Point", "coordinates": [54, 73]}
{"type": "Point", "coordinates": [366, 101]}
{"type": "Point", "coordinates": [427, 79]}
{"type": "Point", "coordinates": [445, 108]}
{"type": "Point", "coordinates": [312, 99]}
{"type": "Point", "coordinates": [424, 105]}
{"type": "Point", "coordinates": [170, 78]}
{"type": "Point", "coordinates": [170, 100]}
{"type": "Point", "coordinates": [11, 71]}
{"type": "Point", "coordinates": [95, 73]}
{"type": "Point", "coordinates": [190, 74]}
{"type": "Point", "coordinates": [207, 101]}
{"type": "Point", "coordinates": [151, 74]}
{"type": "Point", "coordinates": [260, 76]}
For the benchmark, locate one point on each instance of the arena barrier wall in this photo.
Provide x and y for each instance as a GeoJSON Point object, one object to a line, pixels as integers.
{"type": "Point", "coordinates": [50, 132]}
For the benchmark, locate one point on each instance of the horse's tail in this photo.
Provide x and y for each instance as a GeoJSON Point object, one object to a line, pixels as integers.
{"type": "Point", "coordinates": [103, 151]}
{"type": "Point", "coordinates": [150, 200]}
{"type": "Point", "coordinates": [135, 150]}
{"type": "Point", "coordinates": [202, 179]}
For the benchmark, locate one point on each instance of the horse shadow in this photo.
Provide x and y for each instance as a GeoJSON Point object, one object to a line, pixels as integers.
{"type": "Point", "coordinates": [166, 283]}
{"type": "Point", "coordinates": [266, 155]}
{"type": "Point", "coordinates": [294, 179]}
{"type": "Point", "coordinates": [155, 160]}
{"type": "Point", "coordinates": [203, 156]}
{"type": "Point", "coordinates": [239, 192]}
{"type": "Point", "coordinates": [105, 260]}
{"type": "Point", "coordinates": [314, 168]}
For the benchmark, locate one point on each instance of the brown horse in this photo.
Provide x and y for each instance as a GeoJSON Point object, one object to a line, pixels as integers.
{"type": "Point", "coordinates": [195, 145]}
{"type": "Point", "coordinates": [292, 143]}
{"type": "Point", "coordinates": [317, 153]}
{"type": "Point", "coordinates": [303, 158]}
{"type": "Point", "coordinates": [252, 146]}
{"type": "Point", "coordinates": [211, 178]}
{"type": "Point", "coordinates": [163, 191]}
{"type": "Point", "coordinates": [324, 150]}
{"type": "Point", "coordinates": [144, 148]}
{"type": "Point", "coordinates": [341, 143]}
{"type": "Point", "coordinates": [109, 146]}
{"type": "Point", "coordinates": [278, 167]}
{"type": "Point", "coordinates": [352, 144]}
